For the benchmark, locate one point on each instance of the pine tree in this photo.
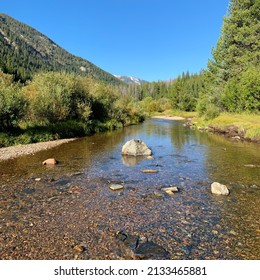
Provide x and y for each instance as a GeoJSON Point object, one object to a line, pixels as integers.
{"type": "Point", "coordinates": [238, 48]}
{"type": "Point", "coordinates": [236, 56]}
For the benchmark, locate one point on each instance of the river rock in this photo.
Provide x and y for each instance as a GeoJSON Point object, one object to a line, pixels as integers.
{"type": "Point", "coordinates": [50, 161]}
{"type": "Point", "coordinates": [170, 190]}
{"type": "Point", "coordinates": [79, 248]}
{"type": "Point", "coordinates": [141, 248]}
{"type": "Point", "coordinates": [217, 188]}
{"type": "Point", "coordinates": [136, 147]}
{"type": "Point", "coordinates": [149, 171]}
{"type": "Point", "coordinates": [116, 187]}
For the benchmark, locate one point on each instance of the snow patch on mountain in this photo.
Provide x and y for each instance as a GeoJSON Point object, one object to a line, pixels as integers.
{"type": "Point", "coordinates": [130, 79]}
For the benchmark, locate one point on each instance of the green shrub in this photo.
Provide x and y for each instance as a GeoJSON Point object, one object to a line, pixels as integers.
{"type": "Point", "coordinates": [57, 97]}
{"type": "Point", "coordinates": [242, 92]}
{"type": "Point", "coordinates": [207, 109]}
{"type": "Point", "coordinates": [12, 103]}
{"type": "Point", "coordinates": [5, 140]}
{"type": "Point", "coordinates": [70, 129]}
{"type": "Point", "coordinates": [23, 139]}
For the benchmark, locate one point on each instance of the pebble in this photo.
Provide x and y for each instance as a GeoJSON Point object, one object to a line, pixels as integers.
{"type": "Point", "coordinates": [149, 171]}
{"type": "Point", "coordinates": [170, 190]}
{"type": "Point", "coordinates": [116, 187]}
{"type": "Point", "coordinates": [157, 194]}
{"type": "Point", "coordinates": [79, 248]}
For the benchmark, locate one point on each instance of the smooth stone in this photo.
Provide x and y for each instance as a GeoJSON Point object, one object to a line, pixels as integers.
{"type": "Point", "coordinates": [170, 190]}
{"type": "Point", "coordinates": [156, 194]}
{"type": "Point", "coordinates": [50, 161]}
{"type": "Point", "coordinates": [149, 171]}
{"type": "Point", "coordinates": [217, 188]}
{"type": "Point", "coordinates": [116, 187]}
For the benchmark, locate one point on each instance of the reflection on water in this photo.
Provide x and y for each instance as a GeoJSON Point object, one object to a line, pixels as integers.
{"type": "Point", "coordinates": [132, 160]}
{"type": "Point", "coordinates": [193, 224]}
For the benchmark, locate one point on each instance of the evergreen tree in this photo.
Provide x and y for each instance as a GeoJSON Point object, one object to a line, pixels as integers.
{"type": "Point", "coordinates": [238, 48]}
{"type": "Point", "coordinates": [235, 57]}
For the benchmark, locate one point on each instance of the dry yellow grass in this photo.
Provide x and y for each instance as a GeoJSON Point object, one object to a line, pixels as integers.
{"type": "Point", "coordinates": [249, 124]}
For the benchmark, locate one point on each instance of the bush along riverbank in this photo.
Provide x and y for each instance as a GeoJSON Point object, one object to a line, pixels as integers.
{"type": "Point", "coordinates": [59, 105]}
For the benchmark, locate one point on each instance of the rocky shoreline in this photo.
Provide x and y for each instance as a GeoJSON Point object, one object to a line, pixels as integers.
{"type": "Point", "coordinates": [21, 150]}
{"type": "Point", "coordinates": [229, 131]}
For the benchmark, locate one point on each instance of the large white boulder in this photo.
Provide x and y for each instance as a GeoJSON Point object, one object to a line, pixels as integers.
{"type": "Point", "coordinates": [136, 147]}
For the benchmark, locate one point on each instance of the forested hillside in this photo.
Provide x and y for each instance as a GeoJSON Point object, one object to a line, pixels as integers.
{"type": "Point", "coordinates": [25, 51]}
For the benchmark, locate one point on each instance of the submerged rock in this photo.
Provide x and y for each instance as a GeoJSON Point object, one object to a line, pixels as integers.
{"type": "Point", "coordinates": [170, 190]}
{"type": "Point", "coordinates": [141, 248]}
{"type": "Point", "coordinates": [136, 147]}
{"type": "Point", "coordinates": [217, 188]}
{"type": "Point", "coordinates": [151, 250]}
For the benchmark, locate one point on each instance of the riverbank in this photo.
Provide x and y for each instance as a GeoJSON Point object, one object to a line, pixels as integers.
{"type": "Point", "coordinates": [237, 126]}
{"type": "Point", "coordinates": [28, 149]}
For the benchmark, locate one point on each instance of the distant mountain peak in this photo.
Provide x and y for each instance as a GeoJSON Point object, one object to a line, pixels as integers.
{"type": "Point", "coordinates": [130, 80]}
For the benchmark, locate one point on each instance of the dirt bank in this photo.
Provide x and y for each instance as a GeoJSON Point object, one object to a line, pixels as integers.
{"type": "Point", "coordinates": [20, 150]}
{"type": "Point", "coordinates": [230, 131]}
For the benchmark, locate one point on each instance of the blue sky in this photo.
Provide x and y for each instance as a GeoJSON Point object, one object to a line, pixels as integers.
{"type": "Point", "coordinates": [150, 39]}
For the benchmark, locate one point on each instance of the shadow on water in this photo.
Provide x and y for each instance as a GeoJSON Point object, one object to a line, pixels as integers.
{"type": "Point", "coordinates": [75, 200]}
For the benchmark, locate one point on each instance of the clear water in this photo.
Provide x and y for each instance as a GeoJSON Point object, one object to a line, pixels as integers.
{"type": "Point", "coordinates": [192, 224]}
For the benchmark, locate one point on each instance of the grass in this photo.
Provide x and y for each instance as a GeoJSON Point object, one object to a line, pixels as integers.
{"type": "Point", "coordinates": [248, 124]}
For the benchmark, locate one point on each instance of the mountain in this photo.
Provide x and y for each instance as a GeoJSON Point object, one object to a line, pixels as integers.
{"type": "Point", "coordinates": [130, 80]}
{"type": "Point", "coordinates": [24, 51]}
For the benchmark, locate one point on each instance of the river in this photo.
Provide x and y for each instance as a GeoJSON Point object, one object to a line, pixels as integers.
{"type": "Point", "coordinates": [67, 211]}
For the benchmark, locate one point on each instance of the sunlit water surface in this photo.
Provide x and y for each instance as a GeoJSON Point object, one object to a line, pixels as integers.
{"type": "Point", "coordinates": [192, 224]}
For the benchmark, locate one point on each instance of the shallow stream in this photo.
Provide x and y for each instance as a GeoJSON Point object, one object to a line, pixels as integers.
{"type": "Point", "coordinates": [67, 211]}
